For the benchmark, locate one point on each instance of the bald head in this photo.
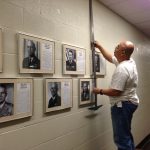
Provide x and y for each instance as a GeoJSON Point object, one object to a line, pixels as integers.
{"type": "Point", "coordinates": [129, 45]}
{"type": "Point", "coordinates": [128, 48]}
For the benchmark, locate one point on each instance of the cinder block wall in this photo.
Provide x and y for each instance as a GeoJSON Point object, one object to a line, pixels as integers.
{"type": "Point", "coordinates": [67, 21]}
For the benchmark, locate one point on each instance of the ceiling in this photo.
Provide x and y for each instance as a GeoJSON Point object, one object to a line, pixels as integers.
{"type": "Point", "coordinates": [137, 12]}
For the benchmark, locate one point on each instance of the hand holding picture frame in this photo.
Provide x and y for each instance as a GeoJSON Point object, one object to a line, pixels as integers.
{"type": "Point", "coordinates": [36, 55]}
{"type": "Point", "coordinates": [16, 98]}
{"type": "Point", "coordinates": [73, 60]}
{"type": "Point", "coordinates": [58, 94]}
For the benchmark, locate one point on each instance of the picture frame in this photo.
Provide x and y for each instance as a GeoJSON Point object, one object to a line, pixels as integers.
{"type": "Point", "coordinates": [100, 64]}
{"type": "Point", "coordinates": [36, 54]}
{"type": "Point", "coordinates": [1, 61]}
{"type": "Point", "coordinates": [85, 91]}
{"type": "Point", "coordinates": [73, 60]}
{"type": "Point", "coordinates": [16, 99]}
{"type": "Point", "coordinates": [58, 94]}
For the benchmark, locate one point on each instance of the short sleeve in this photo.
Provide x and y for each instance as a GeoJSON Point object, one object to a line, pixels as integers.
{"type": "Point", "coordinates": [114, 60]}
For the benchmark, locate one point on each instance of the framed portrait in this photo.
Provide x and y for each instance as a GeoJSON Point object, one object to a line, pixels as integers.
{"type": "Point", "coordinates": [85, 91]}
{"type": "Point", "coordinates": [58, 94]}
{"type": "Point", "coordinates": [1, 50]}
{"type": "Point", "coordinates": [36, 55]}
{"type": "Point", "coordinates": [100, 64]}
{"type": "Point", "coordinates": [73, 60]}
{"type": "Point", "coordinates": [16, 96]}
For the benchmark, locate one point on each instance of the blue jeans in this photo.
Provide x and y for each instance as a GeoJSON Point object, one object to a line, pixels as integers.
{"type": "Point", "coordinates": [121, 122]}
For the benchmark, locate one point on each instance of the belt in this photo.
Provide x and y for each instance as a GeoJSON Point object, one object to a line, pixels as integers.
{"type": "Point", "coordinates": [119, 104]}
{"type": "Point", "coordinates": [135, 103]}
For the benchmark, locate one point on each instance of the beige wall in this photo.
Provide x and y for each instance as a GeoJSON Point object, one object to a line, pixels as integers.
{"type": "Point", "coordinates": [67, 21]}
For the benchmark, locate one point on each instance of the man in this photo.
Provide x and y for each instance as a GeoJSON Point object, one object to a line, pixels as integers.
{"type": "Point", "coordinates": [31, 62]}
{"type": "Point", "coordinates": [122, 93]}
{"type": "Point", "coordinates": [55, 100]}
{"type": "Point", "coordinates": [6, 108]}
{"type": "Point", "coordinates": [70, 63]}
{"type": "Point", "coordinates": [85, 95]}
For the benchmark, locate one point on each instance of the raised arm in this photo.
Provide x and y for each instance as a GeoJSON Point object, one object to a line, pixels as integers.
{"type": "Point", "coordinates": [105, 53]}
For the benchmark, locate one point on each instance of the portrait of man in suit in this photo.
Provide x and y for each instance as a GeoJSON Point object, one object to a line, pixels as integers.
{"type": "Point", "coordinates": [85, 93]}
{"type": "Point", "coordinates": [6, 104]}
{"type": "Point", "coordinates": [55, 99]}
{"type": "Point", "coordinates": [31, 60]}
{"type": "Point", "coordinates": [97, 63]}
{"type": "Point", "coordinates": [71, 60]}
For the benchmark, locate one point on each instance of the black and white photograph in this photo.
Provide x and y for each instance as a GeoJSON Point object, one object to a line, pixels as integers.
{"type": "Point", "coordinates": [31, 55]}
{"type": "Point", "coordinates": [54, 94]}
{"type": "Point", "coordinates": [58, 94]}
{"type": "Point", "coordinates": [85, 91]}
{"type": "Point", "coordinates": [73, 60]}
{"type": "Point", "coordinates": [16, 98]}
{"type": "Point", "coordinates": [36, 54]}
{"type": "Point", "coordinates": [6, 99]}
{"type": "Point", "coordinates": [100, 64]}
{"type": "Point", "coordinates": [97, 63]}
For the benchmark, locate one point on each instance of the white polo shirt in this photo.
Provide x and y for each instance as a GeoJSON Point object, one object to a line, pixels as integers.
{"type": "Point", "coordinates": [125, 78]}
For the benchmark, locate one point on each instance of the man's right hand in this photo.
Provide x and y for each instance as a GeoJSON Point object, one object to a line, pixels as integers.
{"type": "Point", "coordinates": [105, 53]}
{"type": "Point", "coordinates": [96, 44]}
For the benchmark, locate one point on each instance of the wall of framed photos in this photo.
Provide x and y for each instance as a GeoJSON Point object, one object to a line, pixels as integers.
{"type": "Point", "coordinates": [54, 44]}
{"type": "Point", "coordinates": [60, 31]}
{"type": "Point", "coordinates": [36, 56]}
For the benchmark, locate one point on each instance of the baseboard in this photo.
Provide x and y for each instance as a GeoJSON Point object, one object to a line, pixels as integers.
{"type": "Point", "coordinates": [144, 142]}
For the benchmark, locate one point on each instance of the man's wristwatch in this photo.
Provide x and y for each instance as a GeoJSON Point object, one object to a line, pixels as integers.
{"type": "Point", "coordinates": [101, 92]}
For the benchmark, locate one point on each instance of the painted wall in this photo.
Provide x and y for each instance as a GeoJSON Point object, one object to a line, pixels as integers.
{"type": "Point", "coordinates": [67, 21]}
